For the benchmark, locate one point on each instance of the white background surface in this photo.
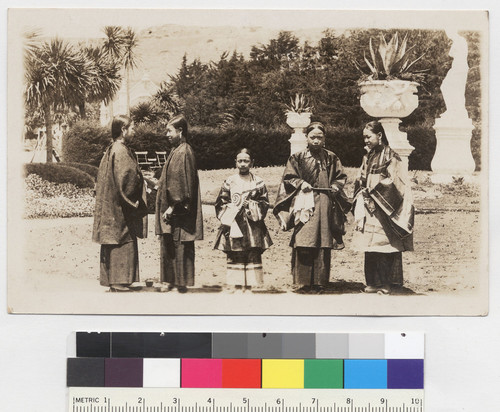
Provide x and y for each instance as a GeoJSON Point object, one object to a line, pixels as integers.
{"type": "Point", "coordinates": [462, 366]}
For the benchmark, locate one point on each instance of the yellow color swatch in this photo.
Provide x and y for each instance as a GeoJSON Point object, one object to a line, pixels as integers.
{"type": "Point", "coordinates": [283, 373]}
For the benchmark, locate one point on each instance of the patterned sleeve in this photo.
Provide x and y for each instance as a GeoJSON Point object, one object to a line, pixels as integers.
{"type": "Point", "coordinates": [258, 203]}
{"type": "Point", "coordinates": [389, 192]}
{"type": "Point", "coordinates": [223, 199]}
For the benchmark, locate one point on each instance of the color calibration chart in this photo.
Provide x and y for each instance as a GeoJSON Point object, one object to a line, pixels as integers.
{"type": "Point", "coordinates": [246, 372]}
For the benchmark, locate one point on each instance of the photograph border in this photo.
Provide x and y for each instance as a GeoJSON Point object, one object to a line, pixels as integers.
{"type": "Point", "coordinates": [475, 303]}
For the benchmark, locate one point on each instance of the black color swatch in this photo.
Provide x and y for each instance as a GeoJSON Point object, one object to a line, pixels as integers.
{"type": "Point", "coordinates": [127, 345]}
{"type": "Point", "coordinates": [93, 344]}
{"type": "Point", "coordinates": [86, 372]}
{"type": "Point", "coordinates": [195, 345]}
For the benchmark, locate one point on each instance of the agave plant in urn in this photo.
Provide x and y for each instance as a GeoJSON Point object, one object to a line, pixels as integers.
{"type": "Point", "coordinates": [389, 88]}
{"type": "Point", "coordinates": [298, 117]}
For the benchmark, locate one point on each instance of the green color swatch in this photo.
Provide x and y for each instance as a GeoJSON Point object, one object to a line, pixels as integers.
{"type": "Point", "coordinates": [324, 373]}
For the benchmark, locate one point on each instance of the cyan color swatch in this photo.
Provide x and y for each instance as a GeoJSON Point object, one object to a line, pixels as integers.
{"type": "Point", "coordinates": [365, 374]}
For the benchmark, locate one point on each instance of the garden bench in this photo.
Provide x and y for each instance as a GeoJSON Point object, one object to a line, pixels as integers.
{"type": "Point", "coordinates": [142, 160]}
{"type": "Point", "coordinates": [161, 158]}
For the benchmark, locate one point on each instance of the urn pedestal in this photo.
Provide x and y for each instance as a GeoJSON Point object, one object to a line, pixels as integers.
{"type": "Point", "coordinates": [390, 100]}
{"type": "Point", "coordinates": [298, 122]}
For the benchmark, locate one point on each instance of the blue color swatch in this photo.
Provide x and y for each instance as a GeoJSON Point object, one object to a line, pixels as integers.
{"type": "Point", "coordinates": [365, 374]}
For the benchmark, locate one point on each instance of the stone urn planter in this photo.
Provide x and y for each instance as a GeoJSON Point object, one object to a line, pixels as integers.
{"type": "Point", "coordinates": [389, 101]}
{"type": "Point", "coordinates": [298, 122]}
{"type": "Point", "coordinates": [389, 98]}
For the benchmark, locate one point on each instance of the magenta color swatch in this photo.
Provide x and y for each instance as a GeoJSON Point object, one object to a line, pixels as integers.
{"type": "Point", "coordinates": [201, 373]}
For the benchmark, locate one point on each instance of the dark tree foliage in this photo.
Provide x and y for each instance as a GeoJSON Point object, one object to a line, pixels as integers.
{"type": "Point", "coordinates": [235, 101]}
{"type": "Point", "coordinates": [236, 91]}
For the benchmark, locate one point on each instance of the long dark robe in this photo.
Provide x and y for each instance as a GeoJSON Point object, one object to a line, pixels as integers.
{"type": "Point", "coordinates": [179, 187]}
{"type": "Point", "coordinates": [119, 264]}
{"type": "Point", "coordinates": [120, 210]}
{"type": "Point", "coordinates": [120, 215]}
{"type": "Point", "coordinates": [312, 241]}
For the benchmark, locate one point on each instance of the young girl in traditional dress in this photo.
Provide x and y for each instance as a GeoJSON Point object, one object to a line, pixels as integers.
{"type": "Point", "coordinates": [383, 212]}
{"type": "Point", "coordinates": [241, 207]}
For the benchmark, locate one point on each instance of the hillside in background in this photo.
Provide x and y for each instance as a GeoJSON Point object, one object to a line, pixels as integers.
{"type": "Point", "coordinates": [161, 48]}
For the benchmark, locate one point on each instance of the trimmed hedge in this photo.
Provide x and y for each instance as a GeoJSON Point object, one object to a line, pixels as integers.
{"type": "Point", "coordinates": [150, 138]}
{"type": "Point", "coordinates": [476, 146]}
{"type": "Point", "coordinates": [215, 148]}
{"type": "Point", "coordinates": [91, 170]}
{"type": "Point", "coordinates": [85, 143]}
{"type": "Point", "coordinates": [60, 173]}
{"type": "Point", "coordinates": [423, 139]}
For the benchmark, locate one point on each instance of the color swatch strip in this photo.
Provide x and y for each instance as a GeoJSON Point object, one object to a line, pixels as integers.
{"type": "Point", "coordinates": [246, 373]}
{"type": "Point", "coordinates": [250, 345]}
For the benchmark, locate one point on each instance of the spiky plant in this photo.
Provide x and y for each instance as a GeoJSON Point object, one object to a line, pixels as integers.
{"type": "Point", "coordinates": [299, 105]}
{"type": "Point", "coordinates": [391, 60]}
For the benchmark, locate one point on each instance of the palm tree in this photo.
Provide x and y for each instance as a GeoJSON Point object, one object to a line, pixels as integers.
{"type": "Point", "coordinates": [107, 80]}
{"type": "Point", "coordinates": [167, 101]}
{"type": "Point", "coordinates": [56, 78]}
{"type": "Point", "coordinates": [119, 46]}
{"type": "Point", "coordinates": [113, 49]}
{"type": "Point", "coordinates": [130, 59]}
{"type": "Point", "coordinates": [113, 43]}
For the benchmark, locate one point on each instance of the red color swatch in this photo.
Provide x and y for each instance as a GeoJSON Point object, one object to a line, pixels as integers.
{"type": "Point", "coordinates": [241, 373]}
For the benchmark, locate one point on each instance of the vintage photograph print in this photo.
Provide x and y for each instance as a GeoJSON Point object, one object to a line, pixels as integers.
{"type": "Point", "coordinates": [248, 162]}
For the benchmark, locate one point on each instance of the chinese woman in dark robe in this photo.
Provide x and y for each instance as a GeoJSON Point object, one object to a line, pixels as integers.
{"type": "Point", "coordinates": [383, 212]}
{"type": "Point", "coordinates": [179, 220]}
{"type": "Point", "coordinates": [120, 215]}
{"type": "Point", "coordinates": [312, 202]}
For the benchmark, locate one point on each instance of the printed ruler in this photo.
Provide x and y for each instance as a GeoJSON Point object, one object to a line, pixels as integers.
{"type": "Point", "coordinates": [244, 400]}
